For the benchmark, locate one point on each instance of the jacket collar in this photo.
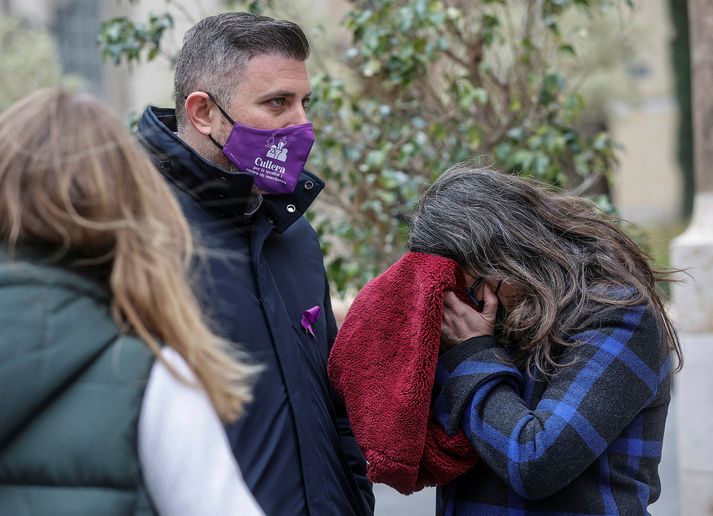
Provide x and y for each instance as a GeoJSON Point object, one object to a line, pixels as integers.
{"type": "Point", "coordinates": [227, 194]}
{"type": "Point", "coordinates": [45, 265]}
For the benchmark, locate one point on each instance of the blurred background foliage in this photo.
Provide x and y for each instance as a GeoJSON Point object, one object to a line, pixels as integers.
{"type": "Point", "coordinates": [423, 84]}
{"type": "Point", "coordinates": [28, 61]}
{"type": "Point", "coordinates": [442, 82]}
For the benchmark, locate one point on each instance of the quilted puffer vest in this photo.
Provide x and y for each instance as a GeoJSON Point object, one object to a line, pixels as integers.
{"type": "Point", "coordinates": [71, 390]}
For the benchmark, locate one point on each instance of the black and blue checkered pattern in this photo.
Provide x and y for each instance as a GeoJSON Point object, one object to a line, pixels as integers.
{"type": "Point", "coordinates": [584, 441]}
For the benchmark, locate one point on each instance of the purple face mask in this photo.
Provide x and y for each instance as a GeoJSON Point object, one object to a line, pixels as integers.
{"type": "Point", "coordinates": [275, 157]}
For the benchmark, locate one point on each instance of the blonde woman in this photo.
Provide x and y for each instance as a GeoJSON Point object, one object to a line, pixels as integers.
{"type": "Point", "coordinates": [113, 384]}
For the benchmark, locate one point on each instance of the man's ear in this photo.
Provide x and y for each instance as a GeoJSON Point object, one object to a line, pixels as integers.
{"type": "Point", "coordinates": [197, 108]}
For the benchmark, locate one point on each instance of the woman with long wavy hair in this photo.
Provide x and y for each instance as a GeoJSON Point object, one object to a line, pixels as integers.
{"type": "Point", "coordinates": [559, 368]}
{"type": "Point", "coordinates": [113, 383]}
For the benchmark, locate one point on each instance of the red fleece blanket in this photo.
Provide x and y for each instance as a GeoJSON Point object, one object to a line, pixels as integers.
{"type": "Point", "coordinates": [383, 364]}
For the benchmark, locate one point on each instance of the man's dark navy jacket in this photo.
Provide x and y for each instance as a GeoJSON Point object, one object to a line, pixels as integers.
{"type": "Point", "coordinates": [295, 447]}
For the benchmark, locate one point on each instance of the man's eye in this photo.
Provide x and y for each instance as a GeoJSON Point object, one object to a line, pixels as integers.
{"type": "Point", "coordinates": [306, 103]}
{"type": "Point", "coordinates": [277, 102]}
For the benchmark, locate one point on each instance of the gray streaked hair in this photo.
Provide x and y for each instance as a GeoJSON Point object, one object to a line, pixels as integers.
{"type": "Point", "coordinates": [217, 49]}
{"type": "Point", "coordinates": [568, 261]}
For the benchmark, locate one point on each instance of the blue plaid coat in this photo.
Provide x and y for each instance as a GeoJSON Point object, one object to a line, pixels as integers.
{"type": "Point", "coordinates": [584, 441]}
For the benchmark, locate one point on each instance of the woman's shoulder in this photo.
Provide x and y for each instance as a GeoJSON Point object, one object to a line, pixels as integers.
{"type": "Point", "coordinates": [616, 311]}
{"type": "Point", "coordinates": [39, 290]}
{"type": "Point", "coordinates": [630, 332]}
{"type": "Point", "coordinates": [33, 267]}
{"type": "Point", "coordinates": [172, 370]}
{"type": "Point", "coordinates": [53, 301]}
{"type": "Point", "coordinates": [617, 306]}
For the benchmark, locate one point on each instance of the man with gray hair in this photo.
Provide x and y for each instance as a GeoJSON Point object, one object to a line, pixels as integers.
{"type": "Point", "coordinates": [234, 152]}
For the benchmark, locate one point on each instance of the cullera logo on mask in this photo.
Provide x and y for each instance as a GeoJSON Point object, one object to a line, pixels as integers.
{"type": "Point", "coordinates": [264, 154]}
{"type": "Point", "coordinates": [277, 151]}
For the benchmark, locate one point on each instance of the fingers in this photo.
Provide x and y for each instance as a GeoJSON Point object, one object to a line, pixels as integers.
{"type": "Point", "coordinates": [460, 321]}
{"type": "Point", "coordinates": [490, 307]}
{"type": "Point", "coordinates": [451, 300]}
{"type": "Point", "coordinates": [448, 297]}
{"type": "Point", "coordinates": [467, 277]}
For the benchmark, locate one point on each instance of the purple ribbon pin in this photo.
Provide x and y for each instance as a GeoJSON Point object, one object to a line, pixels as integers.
{"type": "Point", "coordinates": [308, 317]}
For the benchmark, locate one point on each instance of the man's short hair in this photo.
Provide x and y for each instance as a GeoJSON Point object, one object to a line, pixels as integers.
{"type": "Point", "coordinates": [217, 49]}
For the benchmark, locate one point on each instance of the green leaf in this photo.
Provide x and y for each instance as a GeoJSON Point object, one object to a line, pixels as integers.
{"type": "Point", "coordinates": [551, 88]}
{"type": "Point", "coordinates": [566, 48]}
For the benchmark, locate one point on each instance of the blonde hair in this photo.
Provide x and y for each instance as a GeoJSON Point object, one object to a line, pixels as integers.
{"type": "Point", "coordinates": [73, 179]}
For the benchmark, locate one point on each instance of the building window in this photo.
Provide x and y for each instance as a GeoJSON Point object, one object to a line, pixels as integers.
{"type": "Point", "coordinates": [75, 26]}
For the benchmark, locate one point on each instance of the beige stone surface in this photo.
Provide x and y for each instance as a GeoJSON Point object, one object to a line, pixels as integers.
{"type": "Point", "coordinates": [696, 494]}
{"type": "Point", "coordinates": [693, 308]}
{"type": "Point", "coordinates": [693, 252]}
{"type": "Point", "coordinates": [692, 388]}
{"type": "Point", "coordinates": [647, 186]}
{"type": "Point", "coordinates": [654, 16]}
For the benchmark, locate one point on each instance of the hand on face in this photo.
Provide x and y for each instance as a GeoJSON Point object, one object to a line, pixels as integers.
{"type": "Point", "coordinates": [461, 322]}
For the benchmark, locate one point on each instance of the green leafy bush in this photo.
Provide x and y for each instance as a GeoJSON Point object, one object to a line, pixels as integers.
{"type": "Point", "coordinates": [432, 82]}
{"type": "Point", "coordinates": [436, 83]}
{"type": "Point", "coordinates": [28, 62]}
